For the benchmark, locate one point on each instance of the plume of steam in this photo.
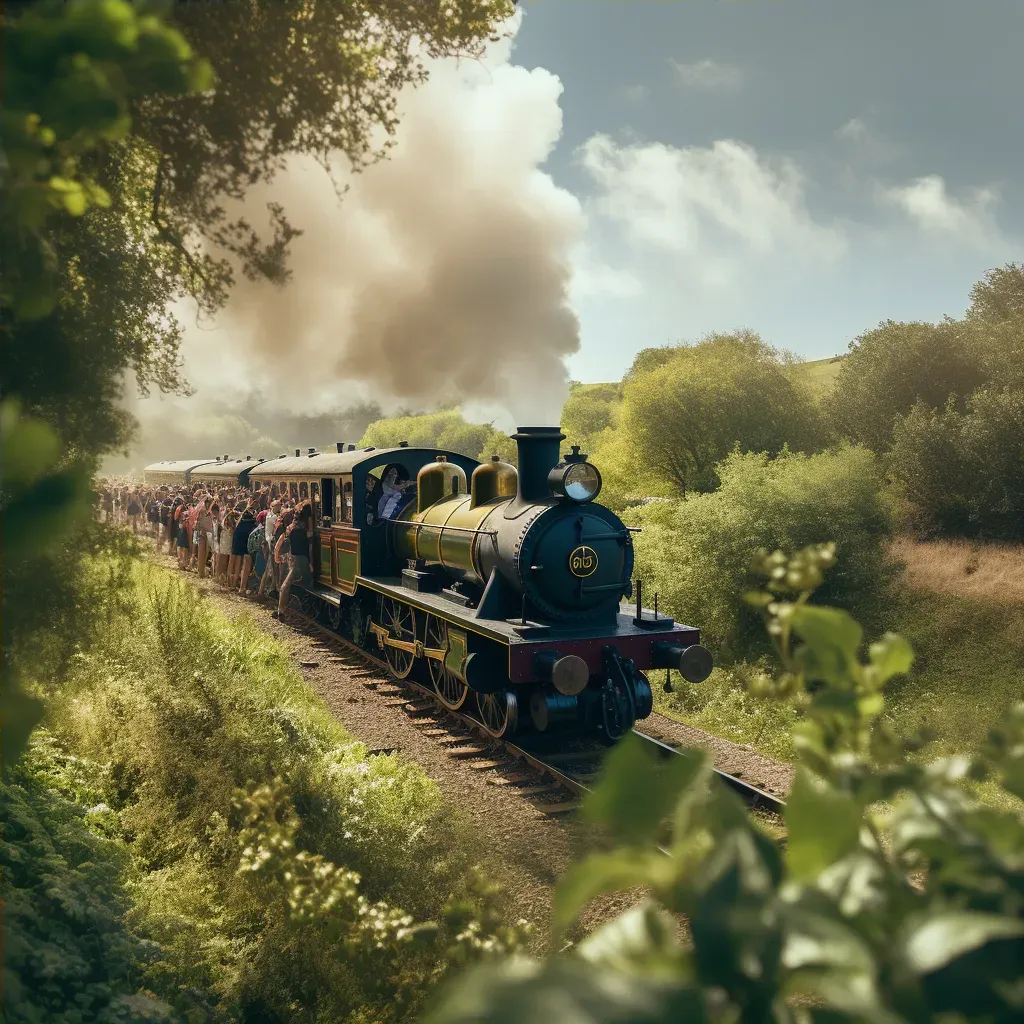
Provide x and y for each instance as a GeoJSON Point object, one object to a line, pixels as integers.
{"type": "Point", "coordinates": [442, 273]}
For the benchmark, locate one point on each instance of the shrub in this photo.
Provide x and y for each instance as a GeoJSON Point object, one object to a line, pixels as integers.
{"type": "Point", "coordinates": [68, 955]}
{"type": "Point", "coordinates": [898, 912]}
{"type": "Point", "coordinates": [284, 875]}
{"type": "Point", "coordinates": [695, 553]}
{"type": "Point", "coordinates": [890, 369]}
{"type": "Point", "coordinates": [963, 472]}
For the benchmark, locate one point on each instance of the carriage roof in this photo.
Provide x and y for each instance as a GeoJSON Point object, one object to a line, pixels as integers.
{"type": "Point", "coordinates": [230, 469]}
{"type": "Point", "coordinates": [325, 464]}
{"type": "Point", "coordinates": [176, 465]}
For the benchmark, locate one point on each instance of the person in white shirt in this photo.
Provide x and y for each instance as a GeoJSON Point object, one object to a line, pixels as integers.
{"type": "Point", "coordinates": [269, 574]}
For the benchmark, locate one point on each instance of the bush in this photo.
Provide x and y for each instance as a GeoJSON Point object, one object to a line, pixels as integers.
{"type": "Point", "coordinates": [963, 472]}
{"type": "Point", "coordinates": [68, 955]}
{"type": "Point", "coordinates": [896, 897]}
{"type": "Point", "coordinates": [890, 369]}
{"type": "Point", "coordinates": [284, 875]}
{"type": "Point", "coordinates": [696, 553]}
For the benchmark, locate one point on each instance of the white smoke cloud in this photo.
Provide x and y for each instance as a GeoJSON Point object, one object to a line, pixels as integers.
{"type": "Point", "coordinates": [442, 272]}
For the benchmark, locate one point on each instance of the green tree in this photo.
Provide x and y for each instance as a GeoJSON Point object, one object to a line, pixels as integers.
{"type": "Point", "coordinates": [71, 72]}
{"type": "Point", "coordinates": [963, 472]}
{"type": "Point", "coordinates": [896, 916]}
{"type": "Point", "coordinates": [894, 366]}
{"type": "Point", "coordinates": [444, 428]}
{"type": "Point", "coordinates": [590, 410]}
{"type": "Point", "coordinates": [682, 417]}
{"type": "Point", "coordinates": [996, 317]}
{"type": "Point", "coordinates": [314, 77]}
{"type": "Point", "coordinates": [696, 553]}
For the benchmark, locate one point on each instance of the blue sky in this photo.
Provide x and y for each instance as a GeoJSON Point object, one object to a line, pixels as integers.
{"type": "Point", "coordinates": [803, 168]}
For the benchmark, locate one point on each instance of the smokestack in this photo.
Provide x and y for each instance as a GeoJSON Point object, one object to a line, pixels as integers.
{"type": "Point", "coordinates": [298, 452]}
{"type": "Point", "coordinates": [340, 445]}
{"type": "Point", "coordinates": [311, 451]}
{"type": "Point", "coordinates": [539, 453]}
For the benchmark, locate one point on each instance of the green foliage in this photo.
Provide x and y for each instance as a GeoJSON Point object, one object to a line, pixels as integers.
{"type": "Point", "coordinates": [963, 472]}
{"type": "Point", "coordinates": [891, 368]}
{"type": "Point", "coordinates": [71, 72]}
{"type": "Point", "coordinates": [445, 428]}
{"type": "Point", "coordinates": [682, 417]}
{"type": "Point", "coordinates": [42, 503]}
{"type": "Point", "coordinates": [68, 954]}
{"type": "Point", "coordinates": [270, 856]}
{"type": "Point", "coordinates": [996, 318]}
{"type": "Point", "coordinates": [696, 553]}
{"type": "Point", "coordinates": [590, 411]}
{"type": "Point", "coordinates": [894, 916]}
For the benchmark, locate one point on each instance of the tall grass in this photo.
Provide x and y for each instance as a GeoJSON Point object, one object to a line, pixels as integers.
{"type": "Point", "coordinates": [279, 873]}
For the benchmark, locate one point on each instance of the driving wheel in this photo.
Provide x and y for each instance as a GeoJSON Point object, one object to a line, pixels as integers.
{"type": "Point", "coordinates": [400, 622]}
{"type": "Point", "coordinates": [451, 690]}
{"type": "Point", "coordinates": [498, 712]}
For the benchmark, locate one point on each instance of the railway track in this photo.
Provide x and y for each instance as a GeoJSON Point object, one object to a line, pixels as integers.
{"type": "Point", "coordinates": [554, 777]}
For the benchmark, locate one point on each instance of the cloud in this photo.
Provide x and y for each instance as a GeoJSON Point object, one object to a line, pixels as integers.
{"type": "Point", "coordinates": [854, 130]}
{"type": "Point", "coordinates": [707, 75]}
{"type": "Point", "coordinates": [443, 271]}
{"type": "Point", "coordinates": [928, 203]}
{"type": "Point", "coordinates": [716, 203]}
{"type": "Point", "coordinates": [635, 93]}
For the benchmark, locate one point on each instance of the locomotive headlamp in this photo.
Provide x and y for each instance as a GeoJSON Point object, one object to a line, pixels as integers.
{"type": "Point", "coordinates": [575, 478]}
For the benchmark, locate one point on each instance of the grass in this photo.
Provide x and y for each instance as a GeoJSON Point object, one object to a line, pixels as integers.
{"type": "Point", "coordinates": [961, 607]}
{"type": "Point", "coordinates": [964, 568]}
{"type": "Point", "coordinates": [820, 374]}
{"type": "Point", "coordinates": [275, 872]}
{"type": "Point", "coordinates": [722, 706]}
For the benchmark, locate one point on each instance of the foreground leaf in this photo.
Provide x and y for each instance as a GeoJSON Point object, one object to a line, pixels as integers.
{"type": "Point", "coordinates": [947, 936]}
{"type": "Point", "coordinates": [823, 826]}
{"type": "Point", "coordinates": [636, 795]}
{"type": "Point", "coordinates": [563, 991]}
{"type": "Point", "coordinates": [606, 872]}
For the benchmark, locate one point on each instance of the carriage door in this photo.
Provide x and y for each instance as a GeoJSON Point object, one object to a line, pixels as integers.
{"type": "Point", "coordinates": [322, 520]}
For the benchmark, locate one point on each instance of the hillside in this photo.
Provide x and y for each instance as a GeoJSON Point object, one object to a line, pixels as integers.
{"type": "Point", "coordinates": [820, 373]}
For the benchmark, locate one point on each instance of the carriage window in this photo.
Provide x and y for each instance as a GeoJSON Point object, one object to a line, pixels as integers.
{"type": "Point", "coordinates": [347, 508]}
{"type": "Point", "coordinates": [293, 489]}
{"type": "Point", "coordinates": [303, 490]}
{"type": "Point", "coordinates": [314, 491]}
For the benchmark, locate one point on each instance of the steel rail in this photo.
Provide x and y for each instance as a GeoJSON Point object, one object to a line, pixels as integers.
{"type": "Point", "coordinates": [751, 795]}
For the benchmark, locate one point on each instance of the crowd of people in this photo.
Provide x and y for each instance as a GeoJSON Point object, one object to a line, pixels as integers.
{"type": "Point", "coordinates": [256, 543]}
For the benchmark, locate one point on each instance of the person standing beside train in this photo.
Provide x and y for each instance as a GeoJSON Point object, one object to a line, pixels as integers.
{"type": "Point", "coordinates": [269, 526]}
{"type": "Point", "coordinates": [204, 524]}
{"type": "Point", "coordinates": [297, 540]}
{"type": "Point", "coordinates": [240, 545]}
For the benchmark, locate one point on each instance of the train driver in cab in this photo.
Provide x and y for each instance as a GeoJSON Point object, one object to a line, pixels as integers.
{"type": "Point", "coordinates": [395, 492]}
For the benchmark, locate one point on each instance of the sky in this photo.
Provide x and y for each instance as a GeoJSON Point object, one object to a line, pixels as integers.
{"type": "Point", "coordinates": [615, 175]}
{"type": "Point", "coordinates": [805, 168]}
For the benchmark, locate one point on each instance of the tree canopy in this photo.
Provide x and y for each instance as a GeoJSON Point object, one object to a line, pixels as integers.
{"type": "Point", "coordinates": [682, 417]}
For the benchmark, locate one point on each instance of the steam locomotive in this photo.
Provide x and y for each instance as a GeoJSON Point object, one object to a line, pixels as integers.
{"type": "Point", "coordinates": [502, 588]}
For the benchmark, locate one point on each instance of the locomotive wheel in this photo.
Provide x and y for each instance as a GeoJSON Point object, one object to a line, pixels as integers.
{"type": "Point", "coordinates": [498, 712]}
{"type": "Point", "coordinates": [400, 622]}
{"type": "Point", "coordinates": [451, 690]}
{"type": "Point", "coordinates": [334, 616]}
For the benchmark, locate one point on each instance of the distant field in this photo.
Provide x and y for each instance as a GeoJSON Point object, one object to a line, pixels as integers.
{"type": "Point", "coordinates": [821, 373]}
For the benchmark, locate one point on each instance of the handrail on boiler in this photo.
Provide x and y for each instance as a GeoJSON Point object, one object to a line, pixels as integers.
{"type": "Point", "coordinates": [441, 526]}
